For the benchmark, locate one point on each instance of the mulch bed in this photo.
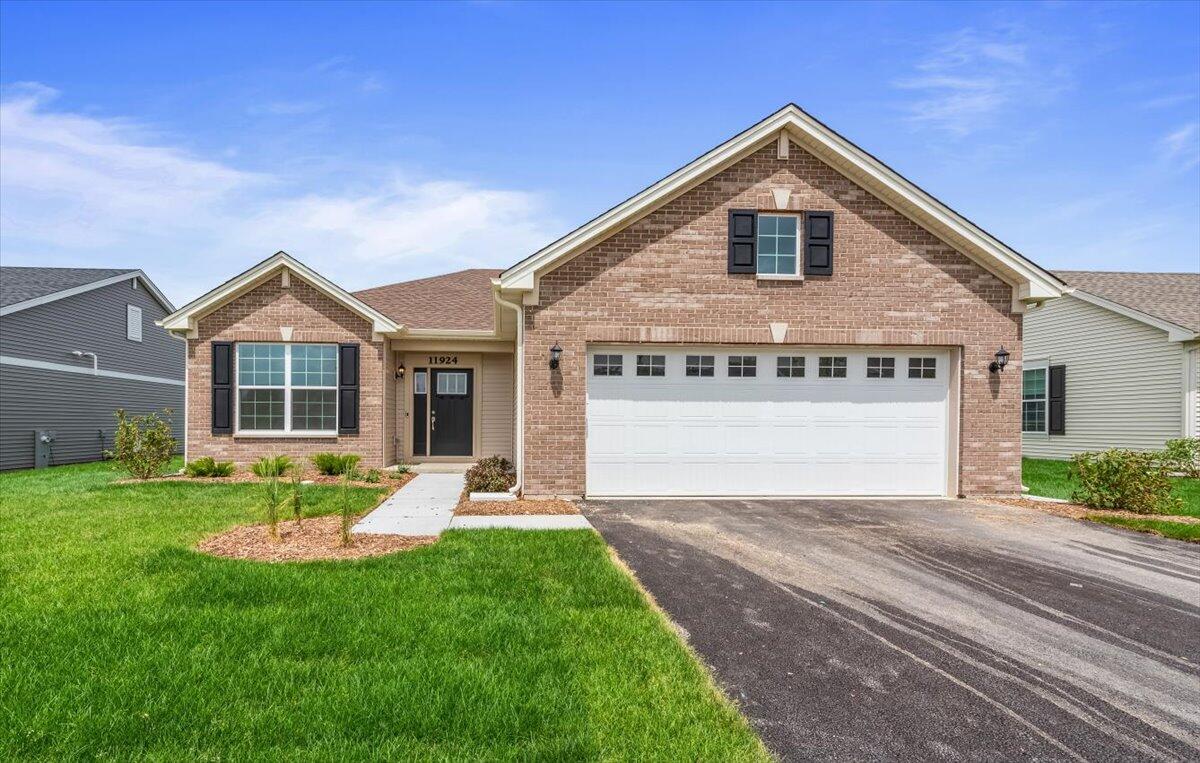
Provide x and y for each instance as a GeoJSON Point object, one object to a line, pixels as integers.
{"type": "Point", "coordinates": [519, 507]}
{"type": "Point", "coordinates": [317, 538]}
{"type": "Point", "coordinates": [1076, 511]}
{"type": "Point", "coordinates": [387, 479]}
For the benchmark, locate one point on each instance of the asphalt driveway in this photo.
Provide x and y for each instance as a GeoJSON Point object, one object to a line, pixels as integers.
{"type": "Point", "coordinates": [929, 629]}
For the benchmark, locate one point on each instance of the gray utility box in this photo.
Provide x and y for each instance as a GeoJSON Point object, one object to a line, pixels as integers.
{"type": "Point", "coordinates": [43, 448]}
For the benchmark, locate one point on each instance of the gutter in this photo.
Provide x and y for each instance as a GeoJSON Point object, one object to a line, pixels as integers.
{"type": "Point", "coordinates": [519, 445]}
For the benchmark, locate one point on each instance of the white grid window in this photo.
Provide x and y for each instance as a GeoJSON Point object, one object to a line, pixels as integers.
{"type": "Point", "coordinates": [651, 365]}
{"type": "Point", "coordinates": [922, 368]}
{"type": "Point", "coordinates": [606, 365]}
{"type": "Point", "coordinates": [790, 367]}
{"type": "Point", "coordinates": [451, 383]}
{"type": "Point", "coordinates": [1033, 400]}
{"type": "Point", "coordinates": [777, 245]}
{"type": "Point", "coordinates": [743, 366]}
{"type": "Point", "coordinates": [287, 388]}
{"type": "Point", "coordinates": [881, 368]}
{"type": "Point", "coordinates": [831, 367]}
{"type": "Point", "coordinates": [699, 365]}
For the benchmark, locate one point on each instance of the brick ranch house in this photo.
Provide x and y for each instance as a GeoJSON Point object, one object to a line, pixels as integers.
{"type": "Point", "coordinates": [783, 316]}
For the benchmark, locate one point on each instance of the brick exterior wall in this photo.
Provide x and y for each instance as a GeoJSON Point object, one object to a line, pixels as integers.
{"type": "Point", "coordinates": [664, 279]}
{"type": "Point", "coordinates": [258, 316]}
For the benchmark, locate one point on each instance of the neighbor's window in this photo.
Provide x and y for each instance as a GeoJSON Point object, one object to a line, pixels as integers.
{"type": "Point", "coordinates": [698, 365]}
{"type": "Point", "coordinates": [1033, 400]}
{"type": "Point", "coordinates": [743, 366]}
{"type": "Point", "coordinates": [831, 367]}
{"type": "Point", "coordinates": [790, 367]}
{"type": "Point", "coordinates": [287, 387]}
{"type": "Point", "coordinates": [606, 365]}
{"type": "Point", "coordinates": [777, 245]}
{"type": "Point", "coordinates": [881, 368]}
{"type": "Point", "coordinates": [651, 365]}
{"type": "Point", "coordinates": [922, 368]}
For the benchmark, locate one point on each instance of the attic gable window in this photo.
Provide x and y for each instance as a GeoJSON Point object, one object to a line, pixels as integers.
{"type": "Point", "coordinates": [777, 245]}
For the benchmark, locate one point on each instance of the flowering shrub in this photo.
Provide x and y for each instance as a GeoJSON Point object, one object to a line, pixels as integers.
{"type": "Point", "coordinates": [1129, 480]}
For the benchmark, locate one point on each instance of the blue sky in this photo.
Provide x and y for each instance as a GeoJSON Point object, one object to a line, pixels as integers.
{"type": "Point", "coordinates": [381, 142]}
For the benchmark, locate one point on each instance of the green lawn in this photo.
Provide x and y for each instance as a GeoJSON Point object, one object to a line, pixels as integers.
{"type": "Point", "coordinates": [1051, 479]}
{"type": "Point", "coordinates": [120, 641]}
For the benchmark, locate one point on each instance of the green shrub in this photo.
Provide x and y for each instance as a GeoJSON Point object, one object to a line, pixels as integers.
{"type": "Point", "coordinates": [403, 469]}
{"type": "Point", "coordinates": [1183, 455]}
{"type": "Point", "coordinates": [346, 511]}
{"type": "Point", "coordinates": [297, 489]}
{"type": "Point", "coordinates": [336, 464]}
{"type": "Point", "coordinates": [372, 475]}
{"type": "Point", "coordinates": [271, 466]}
{"type": "Point", "coordinates": [1129, 480]}
{"type": "Point", "coordinates": [207, 467]}
{"type": "Point", "coordinates": [491, 475]}
{"type": "Point", "coordinates": [142, 445]}
{"type": "Point", "coordinates": [269, 472]}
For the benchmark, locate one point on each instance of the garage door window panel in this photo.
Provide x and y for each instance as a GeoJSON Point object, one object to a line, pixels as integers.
{"type": "Point", "coordinates": [922, 368]}
{"type": "Point", "coordinates": [651, 365]}
{"type": "Point", "coordinates": [832, 367]}
{"type": "Point", "coordinates": [789, 367]}
{"type": "Point", "coordinates": [607, 365]}
{"type": "Point", "coordinates": [699, 365]}
{"type": "Point", "coordinates": [881, 368]}
{"type": "Point", "coordinates": [743, 366]}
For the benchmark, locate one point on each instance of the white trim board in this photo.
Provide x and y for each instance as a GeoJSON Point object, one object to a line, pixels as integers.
{"type": "Point", "coordinates": [1031, 283]}
{"type": "Point", "coordinates": [17, 307]}
{"type": "Point", "coordinates": [9, 360]}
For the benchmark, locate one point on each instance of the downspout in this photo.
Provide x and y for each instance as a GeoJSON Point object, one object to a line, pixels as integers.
{"type": "Point", "coordinates": [519, 445]}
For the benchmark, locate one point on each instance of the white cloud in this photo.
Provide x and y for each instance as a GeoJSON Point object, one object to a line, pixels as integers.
{"type": "Point", "coordinates": [1180, 149]}
{"type": "Point", "coordinates": [971, 77]}
{"type": "Point", "coordinates": [84, 190]}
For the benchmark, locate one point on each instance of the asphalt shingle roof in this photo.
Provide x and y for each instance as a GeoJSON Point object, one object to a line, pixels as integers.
{"type": "Point", "coordinates": [20, 284]}
{"type": "Point", "coordinates": [1173, 297]}
{"type": "Point", "coordinates": [461, 300]}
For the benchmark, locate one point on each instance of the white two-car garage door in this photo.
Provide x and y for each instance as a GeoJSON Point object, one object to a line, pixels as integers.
{"type": "Point", "coordinates": [707, 421]}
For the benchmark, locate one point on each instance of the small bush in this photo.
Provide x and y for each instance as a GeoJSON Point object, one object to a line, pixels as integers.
{"type": "Point", "coordinates": [491, 475]}
{"type": "Point", "coordinates": [297, 489]}
{"type": "Point", "coordinates": [1123, 479]}
{"type": "Point", "coordinates": [1183, 456]}
{"type": "Point", "coordinates": [207, 467]}
{"type": "Point", "coordinates": [142, 445]}
{"type": "Point", "coordinates": [336, 464]}
{"type": "Point", "coordinates": [403, 469]}
{"type": "Point", "coordinates": [271, 466]}
{"type": "Point", "coordinates": [372, 475]}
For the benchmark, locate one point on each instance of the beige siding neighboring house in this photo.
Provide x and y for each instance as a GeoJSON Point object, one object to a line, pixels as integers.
{"type": "Point", "coordinates": [1127, 347]}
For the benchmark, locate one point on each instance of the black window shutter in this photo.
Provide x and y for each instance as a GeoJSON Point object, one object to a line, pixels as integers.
{"type": "Point", "coordinates": [222, 387]}
{"type": "Point", "coordinates": [743, 245]}
{"type": "Point", "coordinates": [1058, 400]}
{"type": "Point", "coordinates": [347, 389]}
{"type": "Point", "coordinates": [818, 243]}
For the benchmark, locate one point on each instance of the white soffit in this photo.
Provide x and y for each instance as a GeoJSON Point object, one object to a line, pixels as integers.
{"type": "Point", "coordinates": [1032, 283]}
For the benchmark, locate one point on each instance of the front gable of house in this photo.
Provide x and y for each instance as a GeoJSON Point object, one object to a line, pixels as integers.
{"type": "Point", "coordinates": [283, 308]}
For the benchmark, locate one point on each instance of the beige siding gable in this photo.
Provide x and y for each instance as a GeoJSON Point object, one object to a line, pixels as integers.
{"type": "Point", "coordinates": [1124, 378]}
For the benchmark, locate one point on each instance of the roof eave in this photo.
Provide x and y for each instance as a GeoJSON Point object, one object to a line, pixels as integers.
{"type": "Point", "coordinates": [161, 298]}
{"type": "Point", "coordinates": [1175, 332]}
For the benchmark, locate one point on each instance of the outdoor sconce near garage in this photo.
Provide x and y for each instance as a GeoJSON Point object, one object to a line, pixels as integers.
{"type": "Point", "coordinates": [555, 354]}
{"type": "Point", "coordinates": [400, 371]}
{"type": "Point", "coordinates": [1001, 360]}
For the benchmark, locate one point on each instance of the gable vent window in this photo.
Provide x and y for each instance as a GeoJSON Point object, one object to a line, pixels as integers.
{"type": "Point", "coordinates": [831, 367]}
{"type": "Point", "coordinates": [922, 368]}
{"type": "Point", "coordinates": [743, 366]}
{"type": "Point", "coordinates": [699, 365]}
{"type": "Point", "coordinates": [606, 365]}
{"type": "Point", "coordinates": [777, 245]}
{"type": "Point", "coordinates": [133, 323]}
{"type": "Point", "coordinates": [881, 368]}
{"type": "Point", "coordinates": [790, 367]}
{"type": "Point", "coordinates": [651, 365]}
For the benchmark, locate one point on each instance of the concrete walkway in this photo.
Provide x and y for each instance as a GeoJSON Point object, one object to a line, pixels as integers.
{"type": "Point", "coordinates": [523, 522]}
{"type": "Point", "coordinates": [424, 506]}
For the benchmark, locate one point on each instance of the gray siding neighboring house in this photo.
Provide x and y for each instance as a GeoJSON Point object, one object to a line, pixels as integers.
{"type": "Point", "coordinates": [48, 313]}
{"type": "Point", "coordinates": [1127, 346]}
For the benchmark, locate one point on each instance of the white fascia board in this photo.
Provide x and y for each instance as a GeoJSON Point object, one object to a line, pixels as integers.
{"type": "Point", "coordinates": [1175, 332]}
{"type": "Point", "coordinates": [55, 296]}
{"type": "Point", "coordinates": [184, 319]}
{"type": "Point", "coordinates": [1038, 284]}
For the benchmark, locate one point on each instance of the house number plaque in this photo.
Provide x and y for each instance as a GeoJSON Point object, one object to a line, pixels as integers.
{"type": "Point", "coordinates": [443, 360]}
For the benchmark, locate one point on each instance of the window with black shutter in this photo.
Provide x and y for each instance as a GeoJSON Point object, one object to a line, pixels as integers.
{"type": "Point", "coordinates": [743, 227]}
{"type": "Point", "coordinates": [222, 387]}
{"type": "Point", "coordinates": [1057, 400]}
{"type": "Point", "coordinates": [347, 389]}
{"type": "Point", "coordinates": [818, 243]}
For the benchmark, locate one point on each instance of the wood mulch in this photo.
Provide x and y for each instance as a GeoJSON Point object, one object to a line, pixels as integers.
{"type": "Point", "coordinates": [1076, 511]}
{"type": "Point", "coordinates": [317, 538]}
{"type": "Point", "coordinates": [519, 507]}
{"type": "Point", "coordinates": [387, 479]}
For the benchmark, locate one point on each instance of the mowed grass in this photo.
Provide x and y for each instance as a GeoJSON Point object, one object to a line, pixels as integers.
{"type": "Point", "coordinates": [1052, 479]}
{"type": "Point", "coordinates": [120, 641]}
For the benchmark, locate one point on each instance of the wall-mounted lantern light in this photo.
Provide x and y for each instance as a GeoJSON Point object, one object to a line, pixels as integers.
{"type": "Point", "coordinates": [555, 354]}
{"type": "Point", "coordinates": [400, 371]}
{"type": "Point", "coordinates": [1001, 360]}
